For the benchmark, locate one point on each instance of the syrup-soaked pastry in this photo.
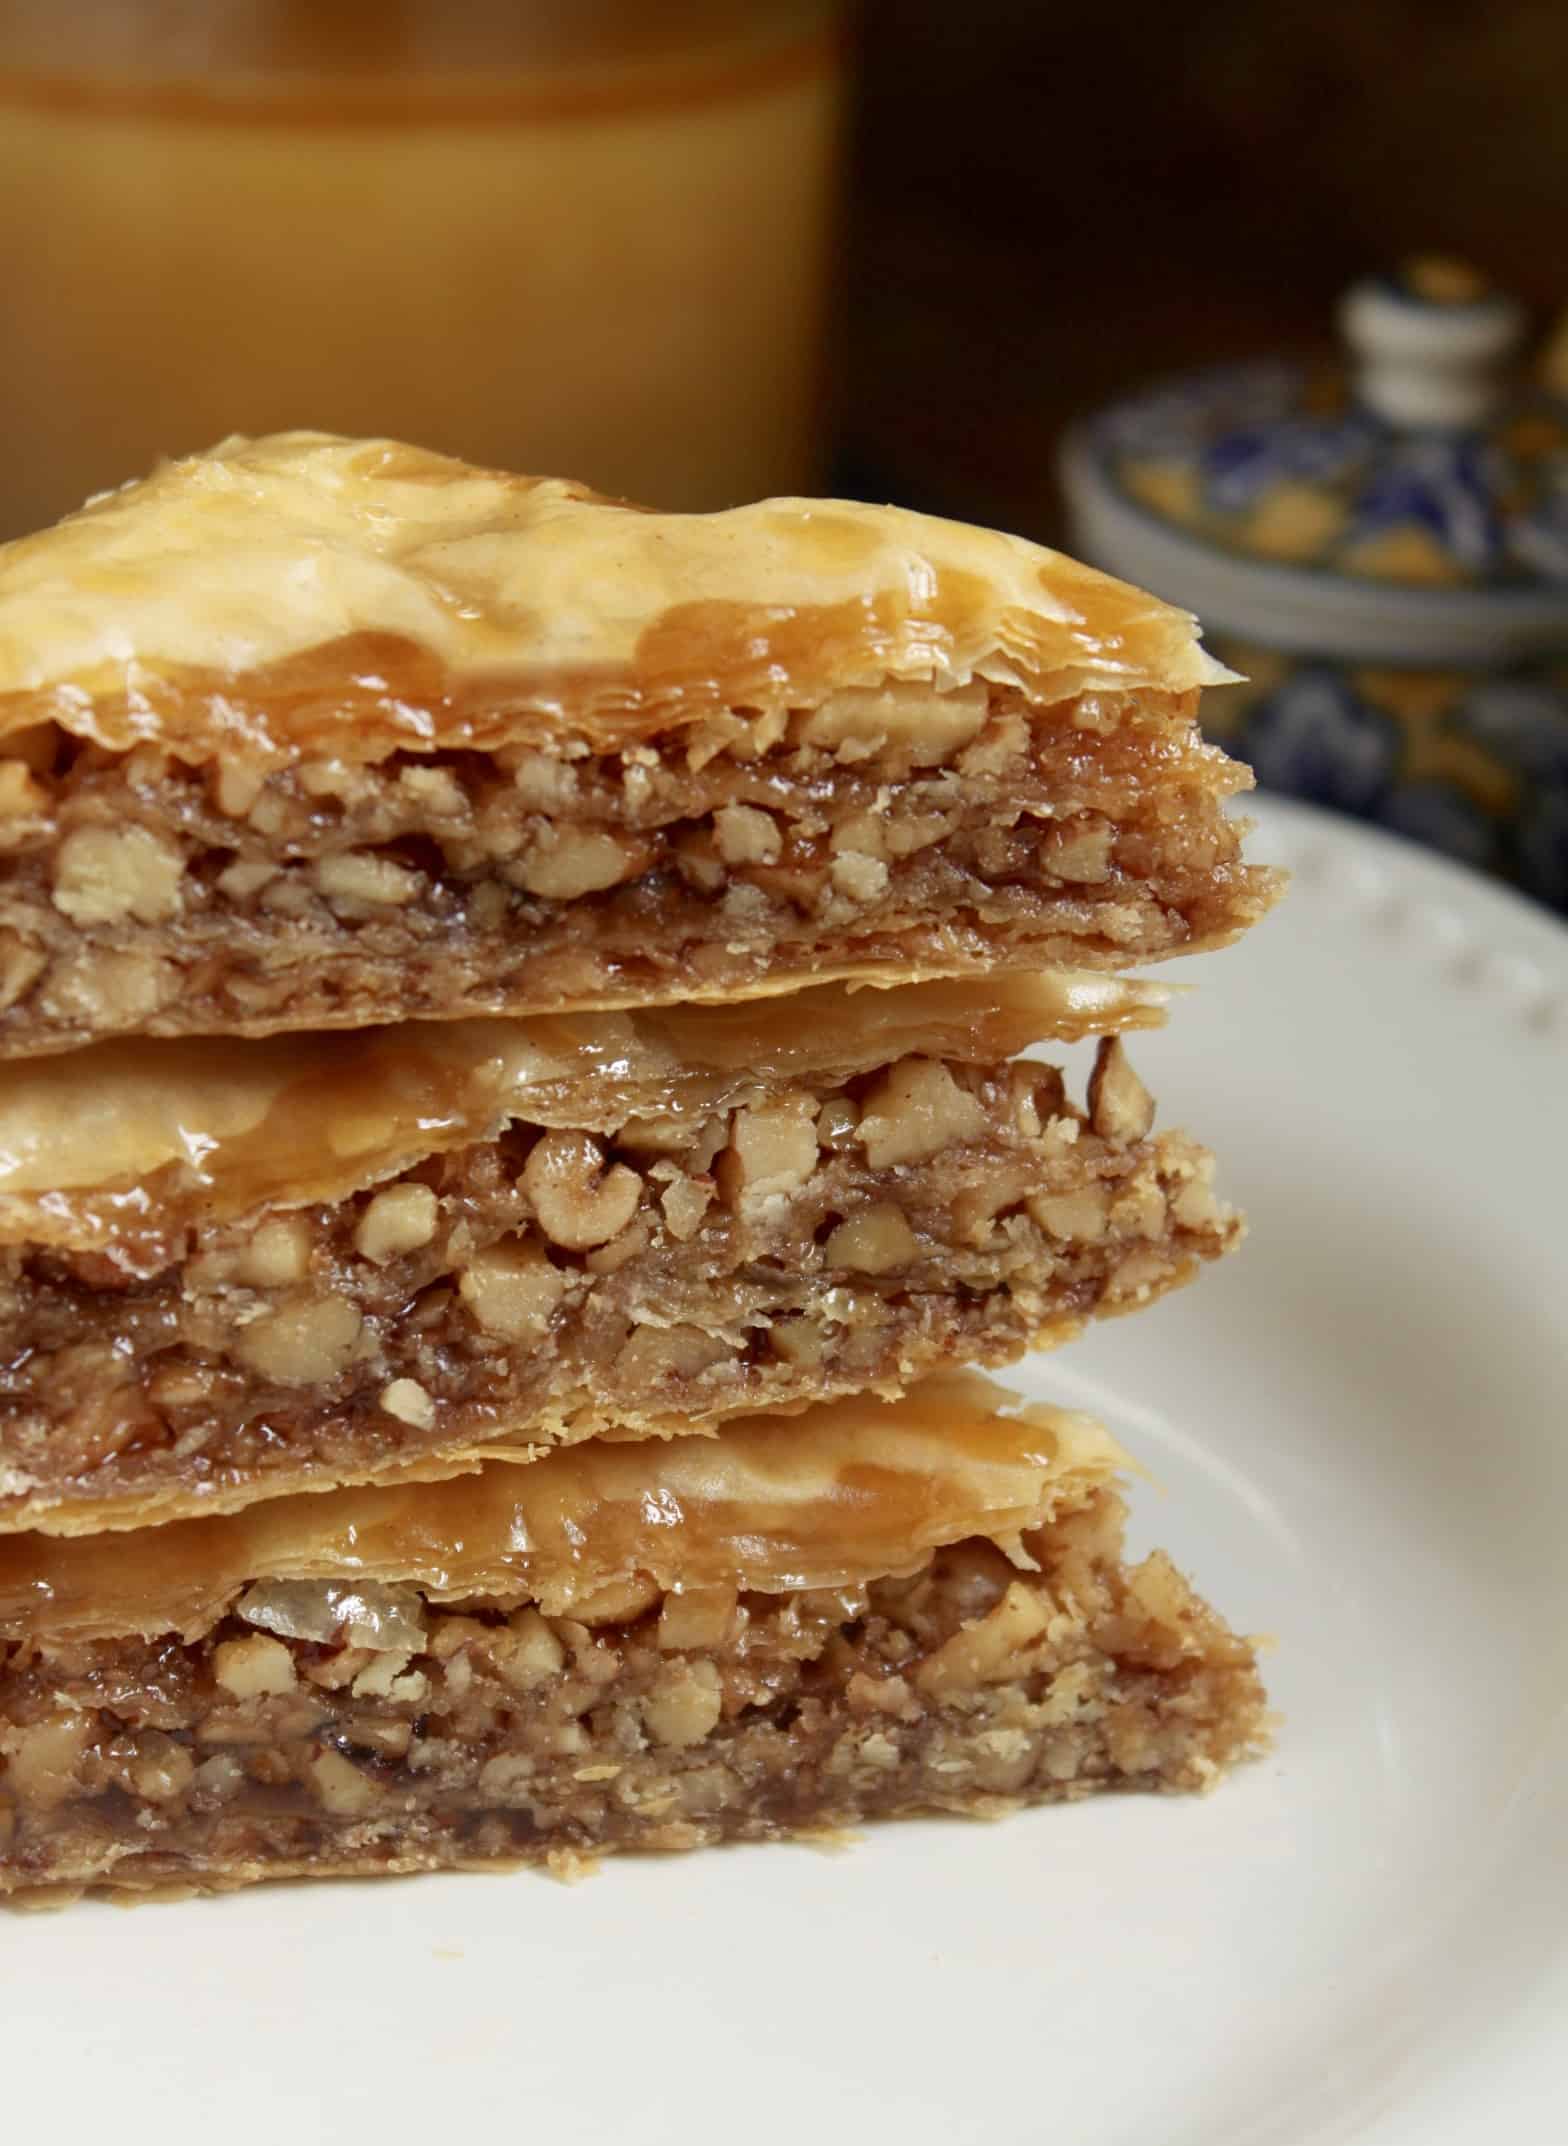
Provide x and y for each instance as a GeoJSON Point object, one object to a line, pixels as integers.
{"type": "Point", "coordinates": [238, 1267]}
{"type": "Point", "coordinates": [868, 1610]}
{"type": "Point", "coordinates": [314, 732]}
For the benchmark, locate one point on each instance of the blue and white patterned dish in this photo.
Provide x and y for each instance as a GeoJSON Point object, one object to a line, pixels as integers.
{"type": "Point", "coordinates": [1382, 551]}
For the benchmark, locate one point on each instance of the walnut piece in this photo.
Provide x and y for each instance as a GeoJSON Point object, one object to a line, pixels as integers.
{"type": "Point", "coordinates": [287, 895]}
{"type": "Point", "coordinates": [254, 1668]}
{"type": "Point", "coordinates": [108, 989]}
{"type": "Point", "coordinates": [862, 878]}
{"type": "Point", "coordinates": [399, 1219]}
{"type": "Point", "coordinates": [239, 881]}
{"type": "Point", "coordinates": [511, 1288]}
{"type": "Point", "coordinates": [659, 1133]}
{"type": "Point", "coordinates": [1035, 1094]}
{"type": "Point", "coordinates": [579, 1203]}
{"type": "Point", "coordinates": [276, 1256]}
{"type": "Point", "coordinates": [915, 831]}
{"type": "Point", "coordinates": [107, 875]}
{"type": "Point", "coordinates": [304, 1344]}
{"type": "Point", "coordinates": [986, 1652]}
{"type": "Point", "coordinates": [434, 790]}
{"type": "Point", "coordinates": [410, 1403]}
{"type": "Point", "coordinates": [388, 1676]}
{"type": "Point", "coordinates": [1140, 1210]}
{"type": "Point", "coordinates": [800, 1342]}
{"type": "Point", "coordinates": [611, 1257]}
{"type": "Point", "coordinates": [1079, 851]}
{"type": "Point", "coordinates": [922, 724]}
{"type": "Point", "coordinates": [343, 1789]}
{"type": "Point", "coordinates": [380, 882]}
{"type": "Point", "coordinates": [544, 782]}
{"type": "Point", "coordinates": [684, 1706]}
{"type": "Point", "coordinates": [1120, 1106]}
{"type": "Point", "coordinates": [685, 1201]}
{"type": "Point", "coordinates": [161, 1769]}
{"type": "Point", "coordinates": [218, 1778]}
{"type": "Point", "coordinates": [915, 1111]}
{"type": "Point", "coordinates": [1161, 1591]}
{"type": "Point", "coordinates": [333, 778]}
{"type": "Point", "coordinates": [620, 1601]}
{"type": "Point", "coordinates": [654, 1353]}
{"type": "Point", "coordinates": [235, 788]}
{"type": "Point", "coordinates": [487, 905]}
{"type": "Point", "coordinates": [526, 1652]}
{"type": "Point", "coordinates": [563, 863]}
{"type": "Point", "coordinates": [269, 815]}
{"type": "Point", "coordinates": [865, 832]}
{"type": "Point", "coordinates": [1079, 1217]}
{"type": "Point", "coordinates": [41, 1759]}
{"type": "Point", "coordinates": [744, 835]}
{"type": "Point", "coordinates": [21, 966]}
{"type": "Point", "coordinates": [700, 1617]}
{"type": "Point", "coordinates": [1143, 1271]}
{"type": "Point", "coordinates": [1195, 1206]}
{"type": "Point", "coordinates": [772, 1149]}
{"type": "Point", "coordinates": [875, 1241]}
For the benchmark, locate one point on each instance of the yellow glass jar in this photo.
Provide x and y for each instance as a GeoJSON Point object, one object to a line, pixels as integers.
{"type": "Point", "coordinates": [584, 238]}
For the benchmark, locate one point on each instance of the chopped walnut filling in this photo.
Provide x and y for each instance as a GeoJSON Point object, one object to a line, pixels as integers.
{"type": "Point", "coordinates": [952, 830]}
{"type": "Point", "coordinates": [447, 1733]}
{"type": "Point", "coordinates": [540, 1285]}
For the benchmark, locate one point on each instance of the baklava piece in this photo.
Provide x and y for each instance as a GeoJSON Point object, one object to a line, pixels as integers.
{"type": "Point", "coordinates": [242, 1267]}
{"type": "Point", "coordinates": [867, 1611]}
{"type": "Point", "coordinates": [312, 732]}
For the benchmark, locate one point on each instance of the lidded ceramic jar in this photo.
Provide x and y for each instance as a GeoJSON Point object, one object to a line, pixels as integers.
{"type": "Point", "coordinates": [1380, 545]}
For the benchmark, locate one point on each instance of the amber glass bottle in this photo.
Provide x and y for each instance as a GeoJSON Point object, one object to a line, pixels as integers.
{"type": "Point", "coordinates": [582, 236]}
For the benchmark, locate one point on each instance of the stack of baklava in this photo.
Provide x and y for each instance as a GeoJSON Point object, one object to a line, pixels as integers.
{"type": "Point", "coordinates": [512, 1129]}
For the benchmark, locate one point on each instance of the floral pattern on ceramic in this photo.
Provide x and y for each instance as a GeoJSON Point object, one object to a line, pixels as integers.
{"type": "Point", "coordinates": [1279, 460]}
{"type": "Point", "coordinates": [1468, 763]}
{"type": "Point", "coordinates": [1380, 545]}
{"type": "Point", "coordinates": [1273, 461]}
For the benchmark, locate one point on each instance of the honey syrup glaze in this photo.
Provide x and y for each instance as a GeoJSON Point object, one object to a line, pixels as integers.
{"type": "Point", "coordinates": [126, 1143]}
{"type": "Point", "coordinates": [360, 596]}
{"type": "Point", "coordinates": [840, 1494]}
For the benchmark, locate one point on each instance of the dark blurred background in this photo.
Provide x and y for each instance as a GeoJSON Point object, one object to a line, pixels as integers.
{"type": "Point", "coordinates": [1051, 203]}
{"type": "Point", "coordinates": [595, 235]}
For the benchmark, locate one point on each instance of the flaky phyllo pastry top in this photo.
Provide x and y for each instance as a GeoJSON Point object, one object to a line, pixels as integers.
{"type": "Point", "coordinates": [306, 593]}
{"type": "Point", "coordinates": [845, 1491]}
{"type": "Point", "coordinates": [122, 1147]}
{"type": "Point", "coordinates": [310, 733]}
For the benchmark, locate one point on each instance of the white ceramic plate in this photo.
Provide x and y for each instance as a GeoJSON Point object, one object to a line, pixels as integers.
{"type": "Point", "coordinates": [1360, 1429]}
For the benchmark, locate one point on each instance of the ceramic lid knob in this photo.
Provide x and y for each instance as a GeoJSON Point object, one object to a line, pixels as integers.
{"type": "Point", "coordinates": [1431, 346]}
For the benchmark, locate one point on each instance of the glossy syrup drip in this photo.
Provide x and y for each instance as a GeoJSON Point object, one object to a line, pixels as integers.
{"type": "Point", "coordinates": [832, 1497]}
{"type": "Point", "coordinates": [127, 1143]}
{"type": "Point", "coordinates": [307, 592]}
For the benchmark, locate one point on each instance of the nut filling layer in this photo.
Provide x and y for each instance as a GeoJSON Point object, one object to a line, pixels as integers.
{"type": "Point", "coordinates": [938, 832]}
{"type": "Point", "coordinates": [292, 1740]}
{"type": "Point", "coordinates": [553, 1284]}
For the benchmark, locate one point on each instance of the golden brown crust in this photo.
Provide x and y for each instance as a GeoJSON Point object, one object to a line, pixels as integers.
{"type": "Point", "coordinates": [320, 734]}
{"type": "Point", "coordinates": [349, 1728]}
{"type": "Point", "coordinates": [830, 1497]}
{"type": "Point", "coordinates": [305, 593]}
{"type": "Point", "coordinates": [547, 1286]}
{"type": "Point", "coordinates": [110, 1431]}
{"type": "Point", "coordinates": [125, 1144]}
